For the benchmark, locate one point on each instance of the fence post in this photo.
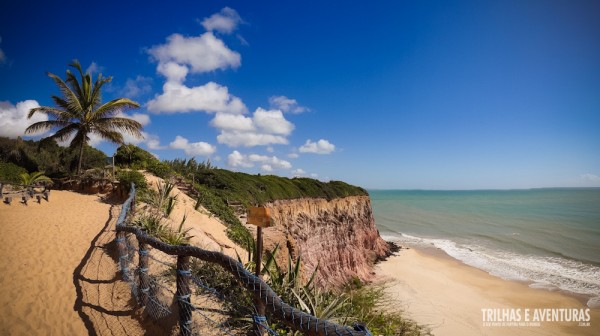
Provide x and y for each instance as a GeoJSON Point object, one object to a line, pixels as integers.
{"type": "Point", "coordinates": [144, 279]}
{"type": "Point", "coordinates": [258, 300]}
{"type": "Point", "coordinates": [133, 202]}
{"type": "Point", "coordinates": [183, 295]}
{"type": "Point", "coordinates": [123, 255]}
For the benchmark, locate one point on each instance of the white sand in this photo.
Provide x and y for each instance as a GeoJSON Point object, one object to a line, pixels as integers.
{"type": "Point", "coordinates": [448, 296]}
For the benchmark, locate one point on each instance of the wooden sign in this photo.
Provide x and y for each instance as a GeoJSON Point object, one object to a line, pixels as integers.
{"type": "Point", "coordinates": [259, 216]}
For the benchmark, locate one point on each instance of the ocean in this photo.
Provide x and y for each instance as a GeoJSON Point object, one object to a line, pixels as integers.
{"type": "Point", "coordinates": [547, 237]}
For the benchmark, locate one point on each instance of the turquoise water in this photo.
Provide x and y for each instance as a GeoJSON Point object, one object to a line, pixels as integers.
{"type": "Point", "coordinates": [549, 237]}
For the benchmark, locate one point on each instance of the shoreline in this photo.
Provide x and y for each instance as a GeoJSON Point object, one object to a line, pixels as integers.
{"type": "Point", "coordinates": [448, 296]}
{"type": "Point", "coordinates": [439, 253]}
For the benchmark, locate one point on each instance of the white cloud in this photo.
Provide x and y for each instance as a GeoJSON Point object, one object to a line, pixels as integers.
{"type": "Point", "coordinates": [152, 141]}
{"type": "Point", "coordinates": [272, 122]}
{"type": "Point", "coordinates": [13, 118]}
{"type": "Point", "coordinates": [298, 172]}
{"type": "Point", "coordinates": [202, 53]}
{"type": "Point", "coordinates": [272, 161]}
{"type": "Point", "coordinates": [93, 68]}
{"type": "Point", "coordinates": [293, 155]}
{"type": "Point", "coordinates": [285, 104]}
{"type": "Point", "coordinates": [174, 72]}
{"type": "Point", "coordinates": [137, 86]}
{"type": "Point", "coordinates": [590, 178]}
{"type": "Point", "coordinates": [313, 175]}
{"type": "Point", "coordinates": [210, 97]}
{"type": "Point", "coordinates": [236, 159]}
{"type": "Point", "coordinates": [192, 148]}
{"type": "Point", "coordinates": [180, 56]}
{"type": "Point", "coordinates": [249, 139]}
{"type": "Point", "coordinates": [238, 122]}
{"type": "Point", "coordinates": [262, 129]}
{"type": "Point", "coordinates": [320, 147]}
{"type": "Point", "coordinates": [268, 163]}
{"type": "Point", "coordinates": [226, 21]}
{"type": "Point", "coordinates": [270, 149]}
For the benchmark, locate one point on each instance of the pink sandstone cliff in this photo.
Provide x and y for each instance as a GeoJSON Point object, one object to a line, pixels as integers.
{"type": "Point", "coordinates": [339, 235]}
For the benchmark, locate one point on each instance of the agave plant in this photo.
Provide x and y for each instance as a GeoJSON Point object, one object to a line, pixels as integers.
{"type": "Point", "coordinates": [30, 179]}
{"type": "Point", "coordinates": [151, 223]}
{"type": "Point", "coordinates": [177, 237]}
{"type": "Point", "coordinates": [287, 283]}
{"type": "Point", "coordinates": [162, 199]}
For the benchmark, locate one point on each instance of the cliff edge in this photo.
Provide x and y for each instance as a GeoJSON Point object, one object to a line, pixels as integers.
{"type": "Point", "coordinates": [338, 235]}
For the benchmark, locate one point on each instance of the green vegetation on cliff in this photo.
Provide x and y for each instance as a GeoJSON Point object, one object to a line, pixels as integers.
{"type": "Point", "coordinates": [259, 189]}
{"type": "Point", "coordinates": [219, 187]}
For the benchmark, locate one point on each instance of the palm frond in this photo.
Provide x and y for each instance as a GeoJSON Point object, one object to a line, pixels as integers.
{"type": "Point", "coordinates": [45, 125]}
{"type": "Point", "coordinates": [66, 107]}
{"type": "Point", "coordinates": [96, 97]}
{"type": "Point", "coordinates": [114, 106]}
{"type": "Point", "coordinates": [69, 95]}
{"type": "Point", "coordinates": [109, 135]}
{"type": "Point", "coordinates": [50, 111]}
{"type": "Point", "coordinates": [72, 80]}
{"type": "Point", "coordinates": [123, 124]}
{"type": "Point", "coordinates": [85, 87]}
{"type": "Point", "coordinates": [65, 133]}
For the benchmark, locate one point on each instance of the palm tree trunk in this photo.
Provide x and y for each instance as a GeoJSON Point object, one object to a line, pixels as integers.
{"type": "Point", "coordinates": [80, 157]}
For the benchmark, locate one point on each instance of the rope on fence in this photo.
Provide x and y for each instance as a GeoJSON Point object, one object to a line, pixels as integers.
{"type": "Point", "coordinates": [292, 317]}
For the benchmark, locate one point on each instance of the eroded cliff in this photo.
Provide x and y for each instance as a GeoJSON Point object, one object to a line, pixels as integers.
{"type": "Point", "coordinates": [339, 235]}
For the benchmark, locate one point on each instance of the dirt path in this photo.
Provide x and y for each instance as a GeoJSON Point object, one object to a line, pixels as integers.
{"type": "Point", "coordinates": [58, 269]}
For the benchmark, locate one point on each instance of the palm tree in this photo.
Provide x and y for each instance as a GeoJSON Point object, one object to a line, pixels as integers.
{"type": "Point", "coordinates": [80, 112]}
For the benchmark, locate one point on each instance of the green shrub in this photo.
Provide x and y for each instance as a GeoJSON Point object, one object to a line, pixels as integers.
{"type": "Point", "coordinates": [258, 189]}
{"type": "Point", "coordinates": [159, 169]}
{"type": "Point", "coordinates": [46, 155]}
{"type": "Point", "coordinates": [10, 172]}
{"type": "Point", "coordinates": [126, 177]}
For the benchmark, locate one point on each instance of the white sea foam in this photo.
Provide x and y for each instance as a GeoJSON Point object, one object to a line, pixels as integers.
{"type": "Point", "coordinates": [551, 273]}
{"type": "Point", "coordinates": [594, 302]}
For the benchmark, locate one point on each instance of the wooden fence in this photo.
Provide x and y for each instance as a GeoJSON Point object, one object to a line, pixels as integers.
{"type": "Point", "coordinates": [292, 317]}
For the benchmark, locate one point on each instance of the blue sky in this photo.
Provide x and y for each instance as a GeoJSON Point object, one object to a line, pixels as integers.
{"type": "Point", "coordinates": [390, 94]}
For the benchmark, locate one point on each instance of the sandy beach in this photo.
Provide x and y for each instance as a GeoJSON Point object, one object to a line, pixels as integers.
{"type": "Point", "coordinates": [448, 296]}
{"type": "Point", "coordinates": [58, 274]}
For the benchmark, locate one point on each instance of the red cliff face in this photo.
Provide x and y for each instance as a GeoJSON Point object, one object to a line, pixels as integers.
{"type": "Point", "coordinates": [338, 235]}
